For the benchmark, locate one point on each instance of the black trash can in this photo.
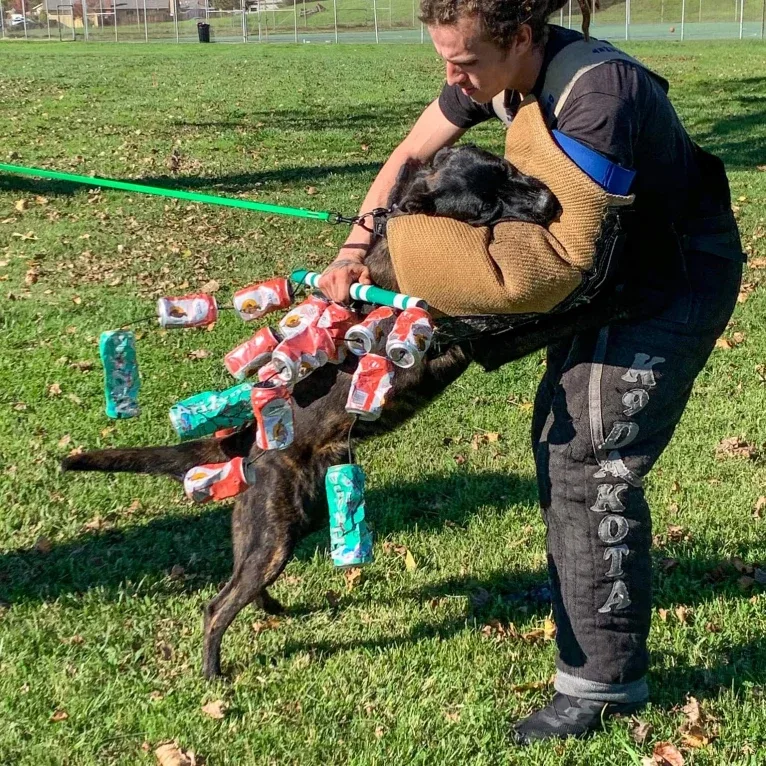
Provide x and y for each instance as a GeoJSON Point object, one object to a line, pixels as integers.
{"type": "Point", "coordinates": [203, 32]}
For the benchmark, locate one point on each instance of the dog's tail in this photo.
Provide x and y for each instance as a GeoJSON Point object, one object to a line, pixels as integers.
{"type": "Point", "coordinates": [172, 461]}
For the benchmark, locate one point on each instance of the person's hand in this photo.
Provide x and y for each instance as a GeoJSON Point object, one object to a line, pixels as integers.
{"type": "Point", "coordinates": [338, 277]}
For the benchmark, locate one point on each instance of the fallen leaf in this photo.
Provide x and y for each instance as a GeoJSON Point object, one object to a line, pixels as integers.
{"type": "Point", "coordinates": [211, 286]}
{"type": "Point", "coordinates": [177, 572]}
{"type": "Point", "coordinates": [353, 577]}
{"type": "Point", "coordinates": [21, 205]}
{"type": "Point", "coordinates": [746, 288]}
{"type": "Point", "coordinates": [43, 545]}
{"type": "Point", "coordinates": [724, 344]}
{"type": "Point", "coordinates": [692, 711]}
{"type": "Point", "coordinates": [379, 732]}
{"type": "Point", "coordinates": [459, 459]}
{"type": "Point", "coordinates": [64, 441]}
{"type": "Point", "coordinates": [170, 754]}
{"type": "Point", "coordinates": [41, 200]}
{"type": "Point", "coordinates": [530, 686]}
{"type": "Point", "coordinates": [311, 190]}
{"type": "Point", "coordinates": [741, 566]}
{"type": "Point", "coordinates": [640, 730]}
{"type": "Point", "coordinates": [389, 547]}
{"type": "Point", "coordinates": [199, 353]}
{"type": "Point", "coordinates": [77, 300]}
{"type": "Point", "coordinates": [677, 534]}
{"type": "Point", "coordinates": [549, 628]}
{"type": "Point", "coordinates": [684, 614]}
{"type": "Point", "coordinates": [666, 754]}
{"type": "Point", "coordinates": [59, 715]}
{"type": "Point", "coordinates": [452, 716]}
{"type": "Point", "coordinates": [215, 709]}
{"type": "Point", "coordinates": [259, 626]}
{"type": "Point", "coordinates": [663, 613]}
{"type": "Point", "coordinates": [54, 389]}
{"type": "Point", "coordinates": [695, 736]}
{"type": "Point", "coordinates": [409, 562]}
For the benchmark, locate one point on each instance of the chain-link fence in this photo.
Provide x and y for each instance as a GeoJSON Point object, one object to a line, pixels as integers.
{"type": "Point", "coordinates": [332, 21]}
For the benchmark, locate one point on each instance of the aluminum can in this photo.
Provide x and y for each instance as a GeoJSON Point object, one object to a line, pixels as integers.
{"type": "Point", "coordinates": [269, 373]}
{"type": "Point", "coordinates": [218, 481]}
{"type": "Point", "coordinates": [409, 340]}
{"type": "Point", "coordinates": [204, 414]}
{"type": "Point", "coordinates": [197, 310]}
{"type": "Point", "coordinates": [337, 320]}
{"type": "Point", "coordinates": [117, 349]}
{"type": "Point", "coordinates": [273, 410]}
{"type": "Point", "coordinates": [350, 538]}
{"type": "Point", "coordinates": [370, 385]}
{"type": "Point", "coordinates": [296, 357]}
{"type": "Point", "coordinates": [246, 358]}
{"type": "Point", "coordinates": [369, 336]}
{"type": "Point", "coordinates": [258, 300]}
{"type": "Point", "coordinates": [305, 314]}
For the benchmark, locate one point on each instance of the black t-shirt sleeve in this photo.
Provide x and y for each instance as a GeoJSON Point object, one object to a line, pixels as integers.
{"type": "Point", "coordinates": [460, 110]}
{"type": "Point", "coordinates": [605, 108]}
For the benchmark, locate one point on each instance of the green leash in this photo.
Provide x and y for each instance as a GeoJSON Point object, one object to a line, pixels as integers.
{"type": "Point", "coordinates": [208, 199]}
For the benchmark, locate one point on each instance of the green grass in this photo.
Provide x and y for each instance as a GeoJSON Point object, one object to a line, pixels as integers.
{"type": "Point", "coordinates": [400, 672]}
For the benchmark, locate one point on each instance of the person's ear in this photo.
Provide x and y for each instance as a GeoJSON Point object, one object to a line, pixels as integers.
{"type": "Point", "coordinates": [522, 40]}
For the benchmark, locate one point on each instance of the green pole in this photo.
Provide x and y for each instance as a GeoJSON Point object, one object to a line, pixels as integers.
{"type": "Point", "coordinates": [367, 293]}
{"type": "Point", "coordinates": [208, 199]}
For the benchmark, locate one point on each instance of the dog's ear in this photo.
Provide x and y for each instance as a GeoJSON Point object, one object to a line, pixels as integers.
{"type": "Point", "coordinates": [407, 174]}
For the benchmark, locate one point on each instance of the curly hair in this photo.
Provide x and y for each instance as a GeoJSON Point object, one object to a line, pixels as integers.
{"type": "Point", "coordinates": [500, 19]}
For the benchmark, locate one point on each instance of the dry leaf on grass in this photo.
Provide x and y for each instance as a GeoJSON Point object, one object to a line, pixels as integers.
{"type": "Point", "coordinates": [695, 730]}
{"type": "Point", "coordinates": [59, 715]}
{"type": "Point", "coordinates": [666, 754]}
{"type": "Point", "coordinates": [177, 572]}
{"type": "Point", "coordinates": [83, 366]}
{"type": "Point", "coordinates": [170, 754]}
{"type": "Point", "coordinates": [760, 503]}
{"type": "Point", "coordinates": [199, 353]}
{"type": "Point", "coordinates": [211, 286]}
{"type": "Point", "coordinates": [531, 686]}
{"type": "Point", "coordinates": [546, 633]}
{"type": "Point", "coordinates": [684, 614]}
{"type": "Point", "coordinates": [215, 709]}
{"type": "Point", "coordinates": [640, 730]}
{"type": "Point", "coordinates": [353, 576]}
{"type": "Point", "coordinates": [746, 288]}
{"type": "Point", "coordinates": [312, 190]}
{"type": "Point", "coordinates": [21, 205]}
{"type": "Point", "coordinates": [43, 545]}
{"type": "Point", "coordinates": [268, 624]}
{"type": "Point", "coordinates": [496, 629]}
{"type": "Point", "coordinates": [54, 389]}
{"type": "Point", "coordinates": [409, 562]}
{"type": "Point", "coordinates": [64, 441]}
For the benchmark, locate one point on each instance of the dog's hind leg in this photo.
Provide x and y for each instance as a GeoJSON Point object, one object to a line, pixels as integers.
{"type": "Point", "coordinates": [262, 548]}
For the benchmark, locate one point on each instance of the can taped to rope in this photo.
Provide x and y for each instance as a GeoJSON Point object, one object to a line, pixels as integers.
{"type": "Point", "coordinates": [205, 413]}
{"type": "Point", "coordinates": [350, 538]}
{"type": "Point", "coordinates": [366, 293]}
{"type": "Point", "coordinates": [117, 349]}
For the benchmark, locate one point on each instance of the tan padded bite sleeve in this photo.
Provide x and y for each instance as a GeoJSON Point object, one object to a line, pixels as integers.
{"type": "Point", "coordinates": [514, 267]}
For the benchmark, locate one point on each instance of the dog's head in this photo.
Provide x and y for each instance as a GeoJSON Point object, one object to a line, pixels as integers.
{"type": "Point", "coordinates": [472, 185]}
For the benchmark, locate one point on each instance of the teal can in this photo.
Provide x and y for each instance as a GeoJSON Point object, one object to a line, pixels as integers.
{"type": "Point", "coordinates": [117, 349]}
{"type": "Point", "coordinates": [350, 538]}
{"type": "Point", "coordinates": [204, 414]}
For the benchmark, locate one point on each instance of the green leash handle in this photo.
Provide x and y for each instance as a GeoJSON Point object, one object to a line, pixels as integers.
{"type": "Point", "coordinates": [367, 293]}
{"type": "Point", "coordinates": [157, 191]}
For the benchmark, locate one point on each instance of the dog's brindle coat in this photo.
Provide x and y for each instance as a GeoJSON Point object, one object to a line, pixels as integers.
{"type": "Point", "coordinates": [287, 499]}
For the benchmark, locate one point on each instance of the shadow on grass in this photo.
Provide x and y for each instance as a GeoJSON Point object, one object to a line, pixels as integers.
{"type": "Point", "coordinates": [202, 543]}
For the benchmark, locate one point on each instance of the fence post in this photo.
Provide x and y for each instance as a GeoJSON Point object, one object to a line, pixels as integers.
{"type": "Point", "coordinates": [335, 18]}
{"type": "Point", "coordinates": [683, 18]}
{"type": "Point", "coordinates": [85, 19]}
{"type": "Point", "coordinates": [741, 17]}
{"type": "Point", "coordinates": [763, 17]}
{"type": "Point", "coordinates": [569, 22]}
{"type": "Point", "coordinates": [627, 19]}
{"type": "Point", "coordinates": [24, 17]}
{"type": "Point", "coordinates": [146, 25]}
{"type": "Point", "coordinates": [375, 18]}
{"type": "Point", "coordinates": [2, 23]}
{"type": "Point", "coordinates": [295, 19]}
{"type": "Point", "coordinates": [244, 21]}
{"type": "Point", "coordinates": [175, 20]}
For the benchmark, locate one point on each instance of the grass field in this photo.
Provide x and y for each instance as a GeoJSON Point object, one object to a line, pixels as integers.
{"type": "Point", "coordinates": [102, 578]}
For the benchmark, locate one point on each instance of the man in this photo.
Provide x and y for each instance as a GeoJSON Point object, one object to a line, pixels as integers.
{"type": "Point", "coordinates": [610, 399]}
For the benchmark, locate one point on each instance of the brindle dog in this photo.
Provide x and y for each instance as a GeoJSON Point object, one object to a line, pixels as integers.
{"type": "Point", "coordinates": [287, 499]}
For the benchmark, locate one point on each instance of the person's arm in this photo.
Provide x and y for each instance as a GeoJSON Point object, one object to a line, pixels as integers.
{"type": "Point", "coordinates": [430, 133]}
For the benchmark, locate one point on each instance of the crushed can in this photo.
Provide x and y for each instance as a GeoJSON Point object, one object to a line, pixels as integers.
{"type": "Point", "coordinates": [197, 310]}
{"type": "Point", "coordinates": [273, 411]}
{"type": "Point", "coordinates": [218, 481]}
{"type": "Point", "coordinates": [117, 349]}
{"type": "Point", "coordinates": [369, 336]}
{"type": "Point", "coordinates": [410, 338]}
{"type": "Point", "coordinates": [305, 314]}
{"type": "Point", "coordinates": [370, 384]}
{"type": "Point", "coordinates": [350, 538]}
{"type": "Point", "coordinates": [297, 357]}
{"type": "Point", "coordinates": [245, 359]}
{"type": "Point", "coordinates": [204, 414]}
{"type": "Point", "coordinates": [270, 373]}
{"type": "Point", "coordinates": [258, 300]}
{"type": "Point", "coordinates": [337, 320]}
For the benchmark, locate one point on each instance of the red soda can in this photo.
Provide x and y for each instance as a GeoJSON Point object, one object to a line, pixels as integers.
{"type": "Point", "coordinates": [269, 373]}
{"type": "Point", "coordinates": [218, 481]}
{"type": "Point", "coordinates": [257, 300]}
{"type": "Point", "coordinates": [196, 310]}
{"type": "Point", "coordinates": [370, 385]}
{"type": "Point", "coordinates": [337, 320]}
{"type": "Point", "coordinates": [369, 336]}
{"type": "Point", "coordinates": [246, 358]}
{"type": "Point", "coordinates": [298, 356]}
{"type": "Point", "coordinates": [303, 315]}
{"type": "Point", "coordinates": [408, 342]}
{"type": "Point", "coordinates": [273, 410]}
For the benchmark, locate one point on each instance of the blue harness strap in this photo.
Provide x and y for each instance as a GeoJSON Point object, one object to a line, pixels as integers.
{"type": "Point", "coordinates": [607, 174]}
